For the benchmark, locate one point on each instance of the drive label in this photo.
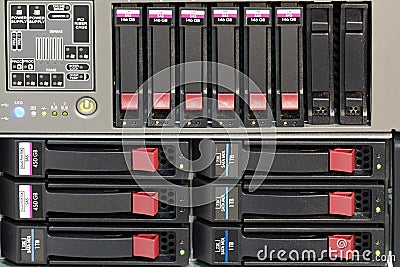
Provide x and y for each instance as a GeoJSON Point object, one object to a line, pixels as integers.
{"type": "Point", "coordinates": [291, 16]}
{"type": "Point", "coordinates": [192, 17]}
{"type": "Point", "coordinates": [32, 245]}
{"type": "Point", "coordinates": [29, 200]}
{"type": "Point", "coordinates": [25, 201]}
{"type": "Point", "coordinates": [128, 16]}
{"type": "Point", "coordinates": [261, 17]}
{"type": "Point", "coordinates": [226, 246]}
{"type": "Point", "coordinates": [161, 17]}
{"type": "Point", "coordinates": [225, 17]}
{"type": "Point", "coordinates": [226, 160]}
{"type": "Point", "coordinates": [25, 158]}
{"type": "Point", "coordinates": [226, 203]}
{"type": "Point", "coordinates": [29, 158]}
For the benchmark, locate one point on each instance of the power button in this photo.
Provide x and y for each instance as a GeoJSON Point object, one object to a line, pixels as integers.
{"type": "Point", "coordinates": [86, 106]}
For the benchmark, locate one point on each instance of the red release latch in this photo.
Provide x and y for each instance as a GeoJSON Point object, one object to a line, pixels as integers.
{"type": "Point", "coordinates": [341, 203]}
{"type": "Point", "coordinates": [145, 159]}
{"type": "Point", "coordinates": [341, 246]}
{"type": "Point", "coordinates": [145, 203]}
{"type": "Point", "coordinates": [342, 159]}
{"type": "Point", "coordinates": [146, 245]}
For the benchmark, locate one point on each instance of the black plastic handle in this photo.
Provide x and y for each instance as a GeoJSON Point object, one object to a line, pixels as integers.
{"type": "Point", "coordinates": [87, 160]}
{"type": "Point", "coordinates": [298, 204]}
{"type": "Point", "coordinates": [290, 161]}
{"type": "Point", "coordinates": [89, 202]}
{"type": "Point", "coordinates": [287, 244]}
{"type": "Point", "coordinates": [90, 247]}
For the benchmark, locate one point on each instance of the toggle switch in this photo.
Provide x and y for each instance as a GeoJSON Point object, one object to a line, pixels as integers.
{"type": "Point", "coordinates": [194, 101]}
{"type": "Point", "coordinates": [129, 101]}
{"type": "Point", "coordinates": [341, 246]}
{"type": "Point", "coordinates": [226, 101]}
{"type": "Point", "coordinates": [341, 203]}
{"type": "Point", "coordinates": [145, 159]}
{"type": "Point", "coordinates": [342, 159]}
{"type": "Point", "coordinates": [258, 101]}
{"type": "Point", "coordinates": [161, 100]}
{"type": "Point", "coordinates": [145, 203]}
{"type": "Point", "coordinates": [146, 245]}
{"type": "Point", "coordinates": [290, 101]}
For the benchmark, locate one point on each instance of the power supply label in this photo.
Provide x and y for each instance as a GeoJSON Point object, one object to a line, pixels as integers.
{"type": "Point", "coordinates": [124, 16]}
{"type": "Point", "coordinates": [258, 17]}
{"type": "Point", "coordinates": [226, 203]}
{"type": "Point", "coordinates": [161, 17]}
{"type": "Point", "coordinates": [37, 17]}
{"type": "Point", "coordinates": [31, 245]}
{"type": "Point", "coordinates": [19, 17]}
{"type": "Point", "coordinates": [193, 17]}
{"type": "Point", "coordinates": [226, 246]}
{"type": "Point", "coordinates": [30, 201]}
{"type": "Point", "coordinates": [289, 16]}
{"type": "Point", "coordinates": [29, 158]}
{"type": "Point", "coordinates": [226, 17]}
{"type": "Point", "coordinates": [226, 160]}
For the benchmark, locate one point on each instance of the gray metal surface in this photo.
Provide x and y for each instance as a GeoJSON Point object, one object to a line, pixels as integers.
{"type": "Point", "coordinates": [384, 97]}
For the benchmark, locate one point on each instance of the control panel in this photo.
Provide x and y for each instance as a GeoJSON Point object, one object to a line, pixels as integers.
{"type": "Point", "coordinates": [50, 45]}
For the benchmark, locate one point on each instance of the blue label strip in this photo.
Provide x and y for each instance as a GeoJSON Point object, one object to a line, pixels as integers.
{"type": "Point", "coordinates": [227, 159]}
{"type": "Point", "coordinates": [226, 203]}
{"type": "Point", "coordinates": [226, 246]}
{"type": "Point", "coordinates": [33, 245]}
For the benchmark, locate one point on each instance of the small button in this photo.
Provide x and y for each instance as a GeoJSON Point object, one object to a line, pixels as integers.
{"type": "Point", "coordinates": [341, 246]}
{"type": "Point", "coordinates": [145, 159]}
{"type": "Point", "coordinates": [161, 100]}
{"type": "Point", "coordinates": [86, 106]}
{"type": "Point", "coordinates": [341, 203]}
{"type": "Point", "coordinates": [194, 101]}
{"type": "Point", "coordinates": [145, 203]}
{"type": "Point", "coordinates": [146, 245]}
{"type": "Point", "coordinates": [129, 101]}
{"type": "Point", "coordinates": [226, 101]}
{"type": "Point", "coordinates": [342, 160]}
{"type": "Point", "coordinates": [258, 101]}
{"type": "Point", "coordinates": [19, 112]}
{"type": "Point", "coordinates": [290, 101]}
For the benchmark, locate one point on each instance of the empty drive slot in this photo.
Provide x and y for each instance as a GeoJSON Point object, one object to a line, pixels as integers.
{"type": "Point", "coordinates": [354, 67]}
{"type": "Point", "coordinates": [320, 65]}
{"type": "Point", "coordinates": [128, 32]}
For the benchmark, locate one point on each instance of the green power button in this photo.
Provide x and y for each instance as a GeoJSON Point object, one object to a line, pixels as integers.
{"type": "Point", "coordinates": [86, 106]}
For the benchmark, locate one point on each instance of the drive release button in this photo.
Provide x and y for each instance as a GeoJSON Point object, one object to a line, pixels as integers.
{"type": "Point", "coordinates": [86, 106]}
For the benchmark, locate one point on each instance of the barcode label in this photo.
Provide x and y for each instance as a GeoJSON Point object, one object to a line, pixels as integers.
{"type": "Point", "coordinates": [49, 48]}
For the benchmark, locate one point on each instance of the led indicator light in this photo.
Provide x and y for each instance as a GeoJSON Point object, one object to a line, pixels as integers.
{"type": "Point", "coordinates": [44, 113]}
{"type": "Point", "coordinates": [54, 114]}
{"type": "Point", "coordinates": [65, 113]}
{"type": "Point", "coordinates": [19, 112]}
{"type": "Point", "coordinates": [182, 252]}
